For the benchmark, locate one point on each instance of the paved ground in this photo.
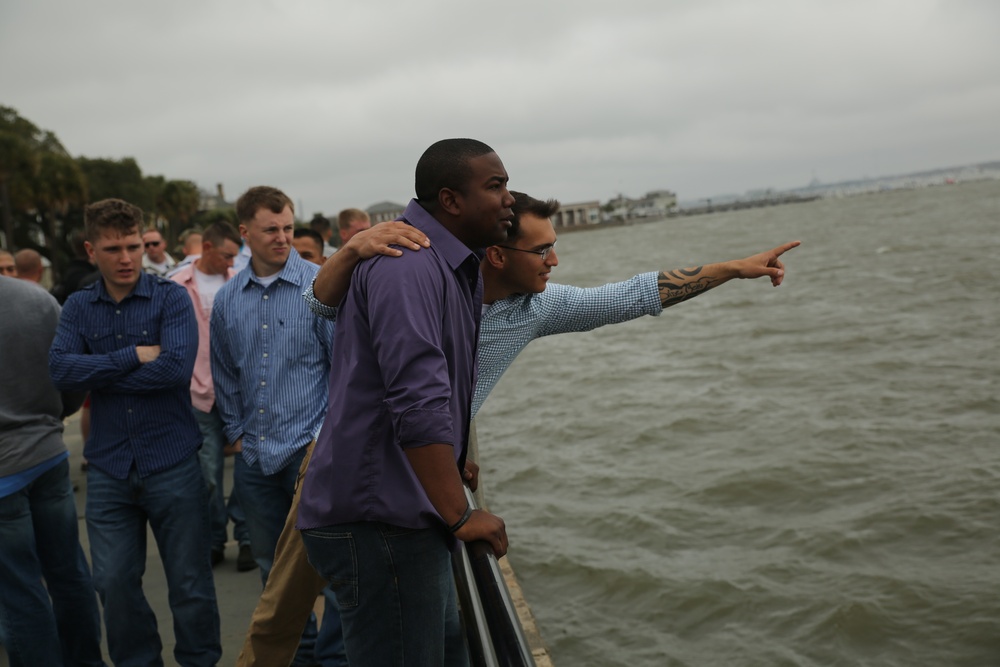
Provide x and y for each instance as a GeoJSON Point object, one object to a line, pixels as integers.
{"type": "Point", "coordinates": [237, 591]}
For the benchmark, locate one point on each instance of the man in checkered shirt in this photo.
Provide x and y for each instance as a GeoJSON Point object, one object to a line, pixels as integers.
{"type": "Point", "coordinates": [518, 307]}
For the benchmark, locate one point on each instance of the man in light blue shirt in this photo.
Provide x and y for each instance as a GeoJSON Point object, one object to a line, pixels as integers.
{"type": "Point", "coordinates": [270, 366]}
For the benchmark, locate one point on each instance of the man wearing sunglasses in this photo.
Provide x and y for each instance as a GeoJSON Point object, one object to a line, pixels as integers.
{"type": "Point", "coordinates": [156, 259]}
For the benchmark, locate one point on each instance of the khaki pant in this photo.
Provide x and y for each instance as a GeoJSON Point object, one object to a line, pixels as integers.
{"type": "Point", "coordinates": [292, 587]}
{"type": "Point", "coordinates": [288, 598]}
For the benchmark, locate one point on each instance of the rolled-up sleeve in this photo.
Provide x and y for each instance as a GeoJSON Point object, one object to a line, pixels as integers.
{"type": "Point", "coordinates": [407, 314]}
{"type": "Point", "coordinates": [318, 308]}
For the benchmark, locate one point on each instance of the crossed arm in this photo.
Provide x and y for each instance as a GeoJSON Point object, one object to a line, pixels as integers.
{"type": "Point", "coordinates": [137, 369]}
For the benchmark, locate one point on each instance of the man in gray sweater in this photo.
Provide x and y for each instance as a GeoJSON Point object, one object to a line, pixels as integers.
{"type": "Point", "coordinates": [55, 623]}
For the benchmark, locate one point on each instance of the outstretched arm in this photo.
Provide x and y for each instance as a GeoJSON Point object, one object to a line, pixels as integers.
{"type": "Point", "coordinates": [334, 276]}
{"type": "Point", "coordinates": [682, 284]}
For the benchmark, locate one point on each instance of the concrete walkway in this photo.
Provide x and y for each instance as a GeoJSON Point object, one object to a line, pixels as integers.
{"type": "Point", "coordinates": [237, 592]}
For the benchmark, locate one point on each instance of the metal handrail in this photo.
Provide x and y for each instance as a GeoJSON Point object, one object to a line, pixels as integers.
{"type": "Point", "coordinates": [493, 629]}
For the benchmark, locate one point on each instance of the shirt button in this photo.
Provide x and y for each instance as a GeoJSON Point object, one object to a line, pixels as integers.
{"type": "Point", "coordinates": [118, 312]}
{"type": "Point", "coordinates": [265, 355]}
{"type": "Point", "coordinates": [262, 438]}
{"type": "Point", "coordinates": [118, 336]}
{"type": "Point", "coordinates": [143, 333]}
{"type": "Point", "coordinates": [265, 299]}
{"type": "Point", "coordinates": [265, 326]}
{"type": "Point", "coordinates": [130, 410]}
{"type": "Point", "coordinates": [261, 411]}
{"type": "Point", "coordinates": [263, 383]}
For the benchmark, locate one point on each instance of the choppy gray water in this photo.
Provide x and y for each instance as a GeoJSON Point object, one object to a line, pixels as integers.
{"type": "Point", "coordinates": [807, 475]}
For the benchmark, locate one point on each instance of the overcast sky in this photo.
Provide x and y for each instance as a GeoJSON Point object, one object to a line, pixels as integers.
{"type": "Point", "coordinates": [334, 101]}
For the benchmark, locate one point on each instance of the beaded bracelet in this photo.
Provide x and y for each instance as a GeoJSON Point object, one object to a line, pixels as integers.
{"type": "Point", "coordinates": [461, 522]}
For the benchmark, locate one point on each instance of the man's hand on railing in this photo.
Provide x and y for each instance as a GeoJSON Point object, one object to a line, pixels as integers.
{"type": "Point", "coordinates": [486, 527]}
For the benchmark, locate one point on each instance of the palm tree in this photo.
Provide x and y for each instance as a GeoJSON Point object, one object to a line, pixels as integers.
{"type": "Point", "coordinates": [178, 202]}
{"type": "Point", "coordinates": [19, 162]}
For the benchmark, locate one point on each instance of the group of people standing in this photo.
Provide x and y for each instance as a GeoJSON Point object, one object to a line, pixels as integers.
{"type": "Point", "coordinates": [345, 392]}
{"type": "Point", "coordinates": [25, 264]}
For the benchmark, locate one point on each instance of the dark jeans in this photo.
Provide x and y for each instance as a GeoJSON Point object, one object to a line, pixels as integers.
{"type": "Point", "coordinates": [56, 623]}
{"type": "Point", "coordinates": [267, 499]}
{"type": "Point", "coordinates": [213, 460]}
{"type": "Point", "coordinates": [396, 593]}
{"type": "Point", "coordinates": [174, 503]}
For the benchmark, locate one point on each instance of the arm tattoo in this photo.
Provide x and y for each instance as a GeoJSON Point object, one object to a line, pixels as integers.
{"type": "Point", "coordinates": [683, 284]}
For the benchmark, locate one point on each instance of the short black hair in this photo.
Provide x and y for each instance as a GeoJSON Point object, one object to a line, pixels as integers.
{"type": "Point", "coordinates": [527, 204]}
{"type": "Point", "coordinates": [319, 224]}
{"type": "Point", "coordinates": [445, 164]}
{"type": "Point", "coordinates": [307, 233]}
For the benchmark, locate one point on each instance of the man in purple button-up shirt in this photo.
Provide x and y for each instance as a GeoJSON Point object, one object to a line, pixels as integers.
{"type": "Point", "coordinates": [383, 500]}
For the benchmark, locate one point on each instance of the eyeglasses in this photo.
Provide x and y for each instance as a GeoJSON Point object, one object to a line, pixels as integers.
{"type": "Point", "coordinates": [152, 244]}
{"type": "Point", "coordinates": [543, 253]}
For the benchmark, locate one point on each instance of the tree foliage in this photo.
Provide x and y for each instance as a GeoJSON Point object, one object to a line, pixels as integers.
{"type": "Point", "coordinates": [178, 202]}
{"type": "Point", "coordinates": [121, 179]}
{"type": "Point", "coordinates": [39, 181]}
{"type": "Point", "coordinates": [206, 218]}
{"type": "Point", "coordinates": [43, 189]}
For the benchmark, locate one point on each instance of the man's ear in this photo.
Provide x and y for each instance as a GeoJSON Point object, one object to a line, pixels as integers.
{"type": "Point", "coordinates": [450, 201]}
{"type": "Point", "coordinates": [495, 256]}
{"type": "Point", "coordinates": [90, 250]}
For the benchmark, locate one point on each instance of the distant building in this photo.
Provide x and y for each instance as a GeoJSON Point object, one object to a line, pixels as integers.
{"type": "Point", "coordinates": [619, 207]}
{"type": "Point", "coordinates": [384, 211]}
{"type": "Point", "coordinates": [656, 204]}
{"type": "Point", "coordinates": [209, 201]}
{"type": "Point", "coordinates": [574, 215]}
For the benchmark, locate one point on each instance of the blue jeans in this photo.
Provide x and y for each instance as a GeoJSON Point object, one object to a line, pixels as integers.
{"type": "Point", "coordinates": [174, 503]}
{"type": "Point", "coordinates": [39, 539]}
{"type": "Point", "coordinates": [212, 457]}
{"type": "Point", "coordinates": [267, 499]}
{"type": "Point", "coordinates": [396, 593]}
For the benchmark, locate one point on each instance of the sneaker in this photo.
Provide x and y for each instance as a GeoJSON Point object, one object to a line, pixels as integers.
{"type": "Point", "coordinates": [245, 561]}
{"type": "Point", "coordinates": [218, 555]}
